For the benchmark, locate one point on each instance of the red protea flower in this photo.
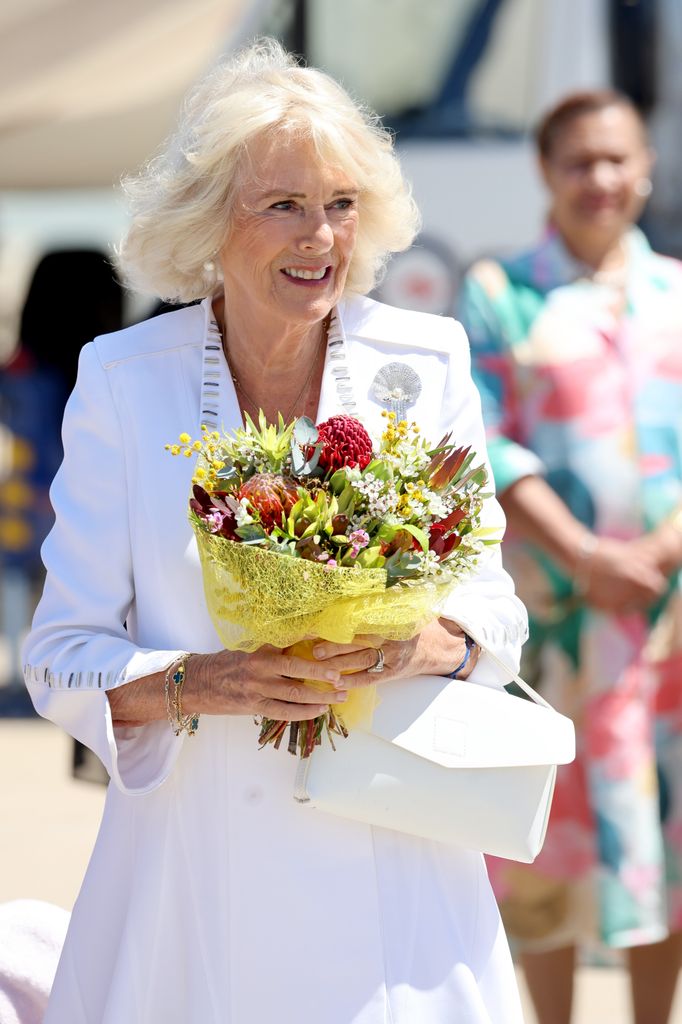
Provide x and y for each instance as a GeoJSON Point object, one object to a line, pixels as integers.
{"type": "Point", "coordinates": [270, 495]}
{"type": "Point", "coordinates": [345, 443]}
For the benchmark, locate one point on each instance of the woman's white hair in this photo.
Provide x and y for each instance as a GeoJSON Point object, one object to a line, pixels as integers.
{"type": "Point", "coordinates": [183, 201]}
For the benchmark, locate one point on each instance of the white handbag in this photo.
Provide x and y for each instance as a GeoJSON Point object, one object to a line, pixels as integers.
{"type": "Point", "coordinates": [449, 760]}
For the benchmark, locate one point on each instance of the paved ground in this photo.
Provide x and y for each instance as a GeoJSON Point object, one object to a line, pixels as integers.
{"type": "Point", "coordinates": [50, 821]}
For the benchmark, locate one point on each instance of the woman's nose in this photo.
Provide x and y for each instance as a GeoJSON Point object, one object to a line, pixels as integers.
{"type": "Point", "coordinates": [604, 174]}
{"type": "Point", "coordinates": [316, 233]}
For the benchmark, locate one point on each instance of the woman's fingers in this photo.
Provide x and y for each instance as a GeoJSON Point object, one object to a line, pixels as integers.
{"type": "Point", "coordinates": [298, 693]}
{"type": "Point", "coordinates": [325, 649]}
{"type": "Point", "coordinates": [355, 662]}
{"type": "Point", "coordinates": [284, 712]}
{"type": "Point", "coordinates": [281, 663]}
{"type": "Point", "coordinates": [358, 660]}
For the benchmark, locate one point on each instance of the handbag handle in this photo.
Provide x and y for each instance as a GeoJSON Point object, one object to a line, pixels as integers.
{"type": "Point", "coordinates": [515, 677]}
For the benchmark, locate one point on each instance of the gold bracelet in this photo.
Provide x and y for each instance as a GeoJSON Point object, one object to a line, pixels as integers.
{"type": "Point", "coordinates": [176, 674]}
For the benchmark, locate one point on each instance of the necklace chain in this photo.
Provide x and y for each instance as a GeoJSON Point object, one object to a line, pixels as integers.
{"type": "Point", "coordinates": [240, 387]}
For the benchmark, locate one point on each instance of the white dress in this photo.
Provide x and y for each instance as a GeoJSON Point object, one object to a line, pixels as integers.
{"type": "Point", "coordinates": [211, 896]}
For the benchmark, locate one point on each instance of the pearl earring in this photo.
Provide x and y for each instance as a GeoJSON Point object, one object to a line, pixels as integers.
{"type": "Point", "coordinates": [643, 188]}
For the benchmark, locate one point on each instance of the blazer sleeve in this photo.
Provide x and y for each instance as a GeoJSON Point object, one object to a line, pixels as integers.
{"type": "Point", "coordinates": [78, 647]}
{"type": "Point", "coordinates": [485, 606]}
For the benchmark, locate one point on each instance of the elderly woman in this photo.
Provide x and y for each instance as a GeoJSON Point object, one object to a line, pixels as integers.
{"type": "Point", "coordinates": [211, 895]}
{"type": "Point", "coordinates": [576, 350]}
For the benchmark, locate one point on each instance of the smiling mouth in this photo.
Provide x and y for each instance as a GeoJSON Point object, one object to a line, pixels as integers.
{"type": "Point", "coordinates": [307, 275]}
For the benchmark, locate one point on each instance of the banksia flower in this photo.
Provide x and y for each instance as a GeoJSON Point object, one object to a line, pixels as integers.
{"type": "Point", "coordinates": [345, 442]}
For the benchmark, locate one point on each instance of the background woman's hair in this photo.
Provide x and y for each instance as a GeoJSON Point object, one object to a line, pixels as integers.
{"type": "Point", "coordinates": [53, 327]}
{"type": "Point", "coordinates": [555, 121]}
{"type": "Point", "coordinates": [183, 201]}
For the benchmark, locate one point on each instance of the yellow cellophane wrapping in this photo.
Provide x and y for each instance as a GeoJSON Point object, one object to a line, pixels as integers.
{"type": "Point", "coordinates": [258, 597]}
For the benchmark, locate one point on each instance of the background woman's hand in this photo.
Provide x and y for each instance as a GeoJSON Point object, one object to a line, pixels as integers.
{"type": "Point", "coordinates": [620, 577]}
{"type": "Point", "coordinates": [663, 546]}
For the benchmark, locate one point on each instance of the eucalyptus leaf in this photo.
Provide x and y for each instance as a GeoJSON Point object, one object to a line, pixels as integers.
{"type": "Point", "coordinates": [305, 431]}
{"type": "Point", "coordinates": [251, 533]}
{"type": "Point", "coordinates": [312, 463]}
{"type": "Point", "coordinates": [401, 565]}
{"type": "Point", "coordinates": [228, 474]}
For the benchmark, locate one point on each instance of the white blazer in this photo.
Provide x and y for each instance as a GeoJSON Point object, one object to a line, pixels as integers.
{"type": "Point", "coordinates": [265, 910]}
{"type": "Point", "coordinates": [123, 595]}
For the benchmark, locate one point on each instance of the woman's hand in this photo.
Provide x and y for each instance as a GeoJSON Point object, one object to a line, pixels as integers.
{"type": "Point", "coordinates": [437, 651]}
{"type": "Point", "coordinates": [268, 682]}
{"type": "Point", "coordinates": [663, 546]}
{"type": "Point", "coordinates": [620, 577]}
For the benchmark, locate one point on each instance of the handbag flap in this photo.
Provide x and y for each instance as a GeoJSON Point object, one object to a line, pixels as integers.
{"type": "Point", "coordinates": [469, 725]}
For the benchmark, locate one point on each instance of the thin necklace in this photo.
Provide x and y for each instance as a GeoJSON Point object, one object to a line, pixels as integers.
{"type": "Point", "coordinates": [240, 387]}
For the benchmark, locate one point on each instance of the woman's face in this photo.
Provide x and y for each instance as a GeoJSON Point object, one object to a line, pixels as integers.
{"type": "Point", "coordinates": [293, 235]}
{"type": "Point", "coordinates": [594, 170]}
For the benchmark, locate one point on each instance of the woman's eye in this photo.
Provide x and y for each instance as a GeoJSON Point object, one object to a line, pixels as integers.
{"type": "Point", "coordinates": [343, 204]}
{"type": "Point", "coordinates": [283, 204]}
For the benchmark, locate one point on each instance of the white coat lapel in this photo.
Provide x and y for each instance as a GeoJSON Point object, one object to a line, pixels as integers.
{"type": "Point", "coordinates": [380, 338]}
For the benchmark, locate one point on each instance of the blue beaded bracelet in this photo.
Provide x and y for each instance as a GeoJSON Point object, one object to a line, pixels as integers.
{"type": "Point", "coordinates": [470, 644]}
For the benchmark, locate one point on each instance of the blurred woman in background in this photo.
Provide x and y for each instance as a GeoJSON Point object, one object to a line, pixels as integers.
{"type": "Point", "coordinates": [577, 351]}
{"type": "Point", "coordinates": [34, 385]}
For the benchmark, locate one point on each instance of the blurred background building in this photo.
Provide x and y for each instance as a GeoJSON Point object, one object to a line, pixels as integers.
{"type": "Point", "coordinates": [89, 89]}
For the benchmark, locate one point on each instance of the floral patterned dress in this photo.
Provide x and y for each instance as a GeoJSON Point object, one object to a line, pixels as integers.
{"type": "Point", "coordinates": [581, 381]}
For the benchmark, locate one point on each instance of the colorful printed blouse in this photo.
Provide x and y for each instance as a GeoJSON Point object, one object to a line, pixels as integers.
{"type": "Point", "coordinates": [580, 377]}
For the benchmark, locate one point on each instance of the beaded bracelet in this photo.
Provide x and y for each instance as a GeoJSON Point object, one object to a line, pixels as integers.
{"type": "Point", "coordinates": [470, 643]}
{"type": "Point", "coordinates": [179, 722]}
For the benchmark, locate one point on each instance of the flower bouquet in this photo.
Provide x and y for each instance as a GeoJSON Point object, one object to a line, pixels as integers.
{"type": "Point", "coordinates": [309, 532]}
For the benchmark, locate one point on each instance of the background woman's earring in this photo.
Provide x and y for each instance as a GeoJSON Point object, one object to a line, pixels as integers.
{"type": "Point", "coordinates": [643, 188]}
{"type": "Point", "coordinates": [209, 267]}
